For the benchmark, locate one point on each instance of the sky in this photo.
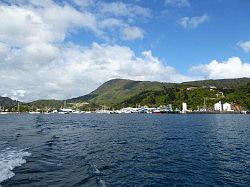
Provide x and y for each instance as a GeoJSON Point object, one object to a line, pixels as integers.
{"type": "Point", "coordinates": [67, 48]}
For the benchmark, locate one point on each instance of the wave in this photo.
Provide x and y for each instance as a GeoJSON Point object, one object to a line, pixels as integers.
{"type": "Point", "coordinates": [9, 159]}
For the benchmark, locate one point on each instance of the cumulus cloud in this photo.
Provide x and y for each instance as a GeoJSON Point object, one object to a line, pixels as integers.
{"type": "Point", "coordinates": [132, 33]}
{"type": "Point", "coordinates": [178, 3]}
{"type": "Point", "coordinates": [16, 94]}
{"type": "Point", "coordinates": [26, 25]}
{"type": "Point", "coordinates": [232, 68]}
{"type": "Point", "coordinates": [37, 20]}
{"type": "Point", "coordinates": [245, 46]}
{"type": "Point", "coordinates": [75, 71]}
{"type": "Point", "coordinates": [193, 22]}
{"type": "Point", "coordinates": [36, 62]}
{"type": "Point", "coordinates": [126, 31]}
{"type": "Point", "coordinates": [122, 9]}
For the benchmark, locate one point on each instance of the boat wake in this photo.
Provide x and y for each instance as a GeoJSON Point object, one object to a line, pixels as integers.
{"type": "Point", "coordinates": [9, 159]}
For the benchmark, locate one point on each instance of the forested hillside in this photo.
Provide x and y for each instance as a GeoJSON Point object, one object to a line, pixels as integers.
{"type": "Point", "coordinates": [119, 93]}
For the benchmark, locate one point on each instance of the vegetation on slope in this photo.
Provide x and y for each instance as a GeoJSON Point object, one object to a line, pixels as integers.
{"type": "Point", "coordinates": [7, 102]}
{"type": "Point", "coordinates": [219, 83]}
{"type": "Point", "coordinates": [49, 103]}
{"type": "Point", "coordinates": [119, 93]}
{"type": "Point", "coordinates": [118, 90]}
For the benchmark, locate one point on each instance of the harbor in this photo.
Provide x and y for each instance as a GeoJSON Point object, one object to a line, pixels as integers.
{"type": "Point", "coordinates": [219, 108]}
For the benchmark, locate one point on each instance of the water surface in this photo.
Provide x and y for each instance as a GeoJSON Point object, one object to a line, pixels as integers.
{"type": "Point", "coordinates": [124, 150]}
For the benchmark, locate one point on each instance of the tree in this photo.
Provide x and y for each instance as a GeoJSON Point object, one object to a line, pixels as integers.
{"type": "Point", "coordinates": [171, 95]}
{"type": "Point", "coordinates": [185, 95]}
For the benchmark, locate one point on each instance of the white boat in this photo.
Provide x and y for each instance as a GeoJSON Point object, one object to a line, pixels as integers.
{"type": "Point", "coordinates": [76, 112]}
{"type": "Point", "coordinates": [33, 112]}
{"type": "Point", "coordinates": [103, 111]}
{"type": "Point", "coordinates": [65, 111]}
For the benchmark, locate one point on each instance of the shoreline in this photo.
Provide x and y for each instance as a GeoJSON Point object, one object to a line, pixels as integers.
{"type": "Point", "coordinates": [164, 113]}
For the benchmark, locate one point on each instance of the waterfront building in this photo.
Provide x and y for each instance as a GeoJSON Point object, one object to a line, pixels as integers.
{"type": "Point", "coordinates": [184, 107]}
{"type": "Point", "coordinates": [227, 107]}
{"type": "Point", "coordinates": [218, 106]}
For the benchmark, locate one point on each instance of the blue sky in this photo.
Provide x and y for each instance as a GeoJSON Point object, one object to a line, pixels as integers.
{"type": "Point", "coordinates": [216, 38]}
{"type": "Point", "coordinates": [67, 48]}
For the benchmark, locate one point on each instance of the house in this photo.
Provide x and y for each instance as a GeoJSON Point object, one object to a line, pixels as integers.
{"type": "Point", "coordinates": [227, 107]}
{"type": "Point", "coordinates": [212, 87]}
{"type": "Point", "coordinates": [220, 94]}
{"type": "Point", "coordinates": [191, 88]}
{"type": "Point", "coordinates": [218, 106]}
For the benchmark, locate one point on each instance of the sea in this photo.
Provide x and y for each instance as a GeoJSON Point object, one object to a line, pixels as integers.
{"type": "Point", "coordinates": [129, 150]}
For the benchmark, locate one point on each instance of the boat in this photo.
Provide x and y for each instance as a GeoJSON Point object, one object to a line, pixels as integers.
{"type": "Point", "coordinates": [65, 111]}
{"type": "Point", "coordinates": [156, 111]}
{"type": "Point", "coordinates": [33, 112]}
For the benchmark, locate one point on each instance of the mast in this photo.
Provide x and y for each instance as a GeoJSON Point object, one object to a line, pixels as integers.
{"type": "Point", "coordinates": [205, 106]}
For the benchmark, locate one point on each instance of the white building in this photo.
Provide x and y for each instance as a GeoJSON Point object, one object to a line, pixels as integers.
{"type": "Point", "coordinates": [227, 107]}
{"type": "Point", "coordinates": [218, 106]}
{"type": "Point", "coordinates": [184, 107]}
{"type": "Point", "coordinates": [222, 107]}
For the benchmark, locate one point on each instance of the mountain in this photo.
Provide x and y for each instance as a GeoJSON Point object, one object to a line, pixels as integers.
{"type": "Point", "coordinates": [118, 90]}
{"type": "Point", "coordinates": [49, 103]}
{"type": "Point", "coordinates": [121, 92]}
{"type": "Point", "coordinates": [7, 102]}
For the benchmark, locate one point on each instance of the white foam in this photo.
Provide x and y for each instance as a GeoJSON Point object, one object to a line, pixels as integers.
{"type": "Point", "coordinates": [9, 159]}
{"type": "Point", "coordinates": [102, 183]}
{"type": "Point", "coordinates": [96, 170]}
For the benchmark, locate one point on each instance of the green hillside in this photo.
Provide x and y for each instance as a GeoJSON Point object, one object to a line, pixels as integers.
{"type": "Point", "coordinates": [118, 90]}
{"type": "Point", "coordinates": [219, 83]}
{"type": "Point", "coordinates": [7, 102]}
{"type": "Point", "coordinates": [46, 103]}
{"type": "Point", "coordinates": [120, 93]}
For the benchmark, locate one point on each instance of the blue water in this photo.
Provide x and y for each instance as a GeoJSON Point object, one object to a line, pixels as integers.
{"type": "Point", "coordinates": [124, 150]}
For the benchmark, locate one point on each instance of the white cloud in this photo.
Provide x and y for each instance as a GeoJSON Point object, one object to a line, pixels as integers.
{"type": "Point", "coordinates": [36, 62]}
{"type": "Point", "coordinates": [193, 22]}
{"type": "Point", "coordinates": [85, 3]}
{"type": "Point", "coordinates": [245, 46]}
{"type": "Point", "coordinates": [15, 94]}
{"type": "Point", "coordinates": [122, 9]}
{"type": "Point", "coordinates": [111, 23]}
{"type": "Point", "coordinates": [132, 33]}
{"type": "Point", "coordinates": [126, 32]}
{"type": "Point", "coordinates": [232, 68]}
{"type": "Point", "coordinates": [178, 3]}
{"type": "Point", "coordinates": [26, 25]}
{"type": "Point", "coordinates": [76, 71]}
{"type": "Point", "coordinates": [32, 21]}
